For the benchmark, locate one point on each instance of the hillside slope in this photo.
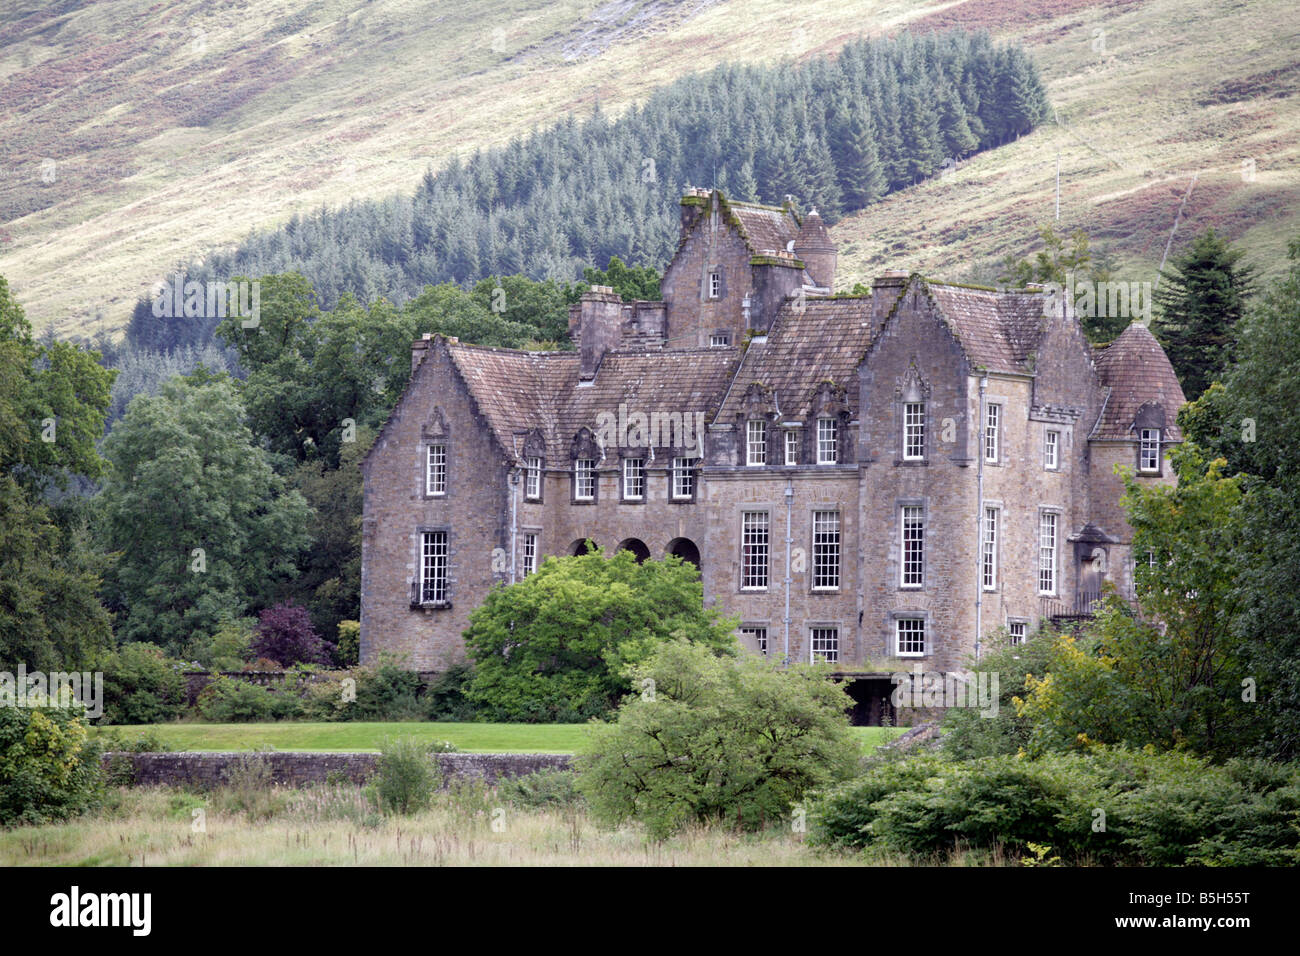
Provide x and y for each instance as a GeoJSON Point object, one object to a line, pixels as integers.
{"type": "Point", "coordinates": [136, 134]}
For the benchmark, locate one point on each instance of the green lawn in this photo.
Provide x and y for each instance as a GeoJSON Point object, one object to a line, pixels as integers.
{"type": "Point", "coordinates": [471, 738]}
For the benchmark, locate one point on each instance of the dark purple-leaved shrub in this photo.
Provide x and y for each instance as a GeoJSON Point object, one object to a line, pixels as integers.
{"type": "Point", "coordinates": [285, 635]}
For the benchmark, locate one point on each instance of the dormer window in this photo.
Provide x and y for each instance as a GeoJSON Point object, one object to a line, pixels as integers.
{"type": "Point", "coordinates": [719, 340]}
{"type": "Point", "coordinates": [533, 481]}
{"type": "Point", "coordinates": [827, 441]}
{"type": "Point", "coordinates": [792, 446]}
{"type": "Point", "coordinates": [715, 285]}
{"type": "Point", "coordinates": [756, 442]}
{"type": "Point", "coordinates": [1149, 450]}
{"type": "Point", "coordinates": [584, 479]}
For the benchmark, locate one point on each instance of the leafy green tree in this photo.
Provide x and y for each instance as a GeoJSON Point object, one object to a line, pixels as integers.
{"type": "Point", "coordinates": [1171, 674]}
{"type": "Point", "coordinates": [53, 399]}
{"type": "Point", "coordinates": [555, 646]}
{"type": "Point", "coordinates": [141, 686]}
{"type": "Point", "coordinates": [201, 523]}
{"type": "Point", "coordinates": [49, 769]}
{"type": "Point", "coordinates": [1201, 298]}
{"type": "Point", "coordinates": [1250, 420]}
{"type": "Point", "coordinates": [631, 282]}
{"type": "Point", "coordinates": [716, 739]}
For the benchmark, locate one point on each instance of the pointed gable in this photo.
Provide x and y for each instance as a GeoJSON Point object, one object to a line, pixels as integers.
{"type": "Point", "coordinates": [1144, 391]}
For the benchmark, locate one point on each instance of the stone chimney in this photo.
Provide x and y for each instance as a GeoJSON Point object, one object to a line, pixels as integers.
{"type": "Point", "coordinates": [694, 204]}
{"type": "Point", "coordinates": [597, 320]}
{"type": "Point", "coordinates": [885, 292]}
{"type": "Point", "coordinates": [418, 349]}
{"type": "Point", "coordinates": [819, 253]}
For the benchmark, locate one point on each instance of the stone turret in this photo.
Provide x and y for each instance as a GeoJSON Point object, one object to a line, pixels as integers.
{"type": "Point", "coordinates": [814, 246]}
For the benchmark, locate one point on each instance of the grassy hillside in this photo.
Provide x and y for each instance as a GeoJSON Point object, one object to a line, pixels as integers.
{"type": "Point", "coordinates": [139, 134]}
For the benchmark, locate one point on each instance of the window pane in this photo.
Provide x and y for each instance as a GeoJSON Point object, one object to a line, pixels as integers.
{"type": "Point", "coordinates": [914, 430]}
{"type": "Point", "coordinates": [754, 549]}
{"type": "Point", "coordinates": [910, 636]}
{"type": "Point", "coordinates": [534, 486]}
{"type": "Point", "coordinates": [989, 555]}
{"type": "Point", "coordinates": [827, 441]}
{"type": "Point", "coordinates": [684, 477]}
{"type": "Point", "coordinates": [826, 644]}
{"type": "Point", "coordinates": [913, 547]}
{"type": "Point", "coordinates": [826, 549]}
{"type": "Point", "coordinates": [433, 567]}
{"type": "Point", "coordinates": [437, 470]}
{"type": "Point", "coordinates": [1047, 553]}
{"type": "Point", "coordinates": [634, 478]}
{"type": "Point", "coordinates": [992, 422]}
{"type": "Point", "coordinates": [756, 442]}
{"type": "Point", "coordinates": [791, 447]}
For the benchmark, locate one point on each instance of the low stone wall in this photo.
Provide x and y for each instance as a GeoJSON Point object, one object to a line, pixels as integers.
{"type": "Point", "coordinates": [204, 771]}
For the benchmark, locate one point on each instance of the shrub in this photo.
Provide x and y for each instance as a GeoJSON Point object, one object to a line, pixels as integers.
{"type": "Point", "coordinates": [543, 789]}
{"type": "Point", "coordinates": [716, 739]}
{"type": "Point", "coordinates": [446, 699]}
{"type": "Point", "coordinates": [406, 778]}
{"type": "Point", "coordinates": [349, 646]}
{"type": "Point", "coordinates": [230, 700]}
{"type": "Point", "coordinates": [49, 769]}
{"type": "Point", "coordinates": [385, 692]}
{"type": "Point", "coordinates": [967, 732]}
{"type": "Point", "coordinates": [141, 686]}
{"type": "Point", "coordinates": [285, 635]}
{"type": "Point", "coordinates": [1108, 806]}
{"type": "Point", "coordinates": [140, 742]}
{"type": "Point", "coordinates": [249, 788]}
{"type": "Point", "coordinates": [232, 645]}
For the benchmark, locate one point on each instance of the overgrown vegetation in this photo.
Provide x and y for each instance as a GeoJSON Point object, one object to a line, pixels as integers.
{"type": "Point", "coordinates": [716, 739]}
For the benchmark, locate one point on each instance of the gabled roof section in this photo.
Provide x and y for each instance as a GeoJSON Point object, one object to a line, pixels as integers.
{"type": "Point", "coordinates": [824, 342]}
{"type": "Point", "coordinates": [997, 330]}
{"type": "Point", "coordinates": [521, 391]}
{"type": "Point", "coordinates": [765, 229]}
{"type": "Point", "coordinates": [515, 390]}
{"type": "Point", "coordinates": [1138, 373]}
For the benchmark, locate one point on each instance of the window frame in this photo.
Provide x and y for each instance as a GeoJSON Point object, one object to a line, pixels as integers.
{"type": "Point", "coordinates": [833, 631]}
{"type": "Point", "coordinates": [1052, 462]}
{"type": "Point", "coordinates": [923, 630]}
{"type": "Point", "coordinates": [1055, 547]}
{"type": "Point", "coordinates": [533, 478]}
{"type": "Point", "coordinates": [821, 566]}
{"type": "Point", "coordinates": [588, 474]}
{"type": "Point", "coordinates": [992, 433]}
{"type": "Point", "coordinates": [989, 535]}
{"type": "Point", "coordinates": [832, 425]}
{"type": "Point", "coordinates": [749, 566]}
{"type": "Point", "coordinates": [691, 472]}
{"type": "Point", "coordinates": [715, 336]}
{"type": "Point", "coordinates": [791, 443]}
{"type": "Point", "coordinates": [429, 485]}
{"type": "Point", "coordinates": [752, 443]}
{"type": "Point", "coordinates": [440, 594]}
{"type": "Point", "coordinates": [630, 465]}
{"type": "Point", "coordinates": [715, 283]}
{"type": "Point", "coordinates": [1023, 635]}
{"type": "Point", "coordinates": [759, 634]}
{"type": "Point", "coordinates": [910, 427]}
{"type": "Point", "coordinates": [1143, 444]}
{"type": "Point", "coordinates": [911, 568]}
{"type": "Point", "coordinates": [528, 556]}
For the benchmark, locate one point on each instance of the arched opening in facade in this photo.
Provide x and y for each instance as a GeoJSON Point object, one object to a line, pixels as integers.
{"type": "Point", "coordinates": [582, 546]}
{"type": "Point", "coordinates": [640, 550]}
{"type": "Point", "coordinates": [686, 549]}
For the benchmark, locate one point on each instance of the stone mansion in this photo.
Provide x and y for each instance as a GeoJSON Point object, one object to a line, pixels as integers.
{"type": "Point", "coordinates": [878, 480]}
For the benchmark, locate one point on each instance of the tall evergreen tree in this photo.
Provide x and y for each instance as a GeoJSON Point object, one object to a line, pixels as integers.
{"type": "Point", "coordinates": [1201, 297]}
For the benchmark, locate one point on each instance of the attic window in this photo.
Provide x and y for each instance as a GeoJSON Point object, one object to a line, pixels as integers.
{"type": "Point", "coordinates": [715, 285]}
{"type": "Point", "coordinates": [719, 340]}
{"type": "Point", "coordinates": [1149, 452]}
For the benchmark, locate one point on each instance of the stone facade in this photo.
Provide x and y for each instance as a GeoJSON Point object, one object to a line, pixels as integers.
{"type": "Point", "coordinates": [749, 348]}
